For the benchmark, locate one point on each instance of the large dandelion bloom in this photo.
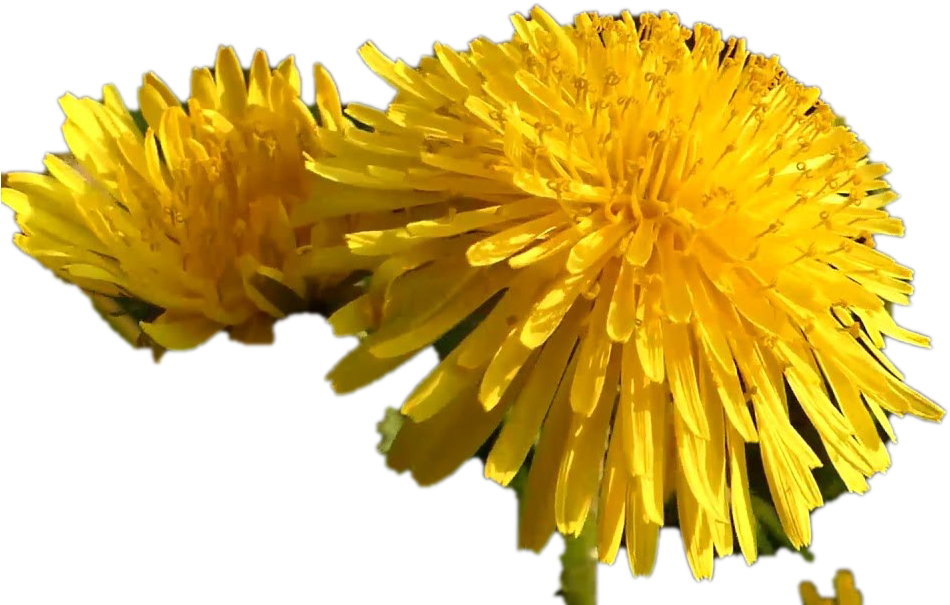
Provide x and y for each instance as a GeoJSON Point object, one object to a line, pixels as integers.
{"type": "Point", "coordinates": [845, 592]}
{"type": "Point", "coordinates": [199, 223]}
{"type": "Point", "coordinates": [669, 245]}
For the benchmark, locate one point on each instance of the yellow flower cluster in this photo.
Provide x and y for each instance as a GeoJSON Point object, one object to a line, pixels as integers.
{"type": "Point", "coordinates": [671, 243]}
{"type": "Point", "coordinates": [203, 216]}
{"type": "Point", "coordinates": [846, 593]}
{"type": "Point", "coordinates": [665, 245]}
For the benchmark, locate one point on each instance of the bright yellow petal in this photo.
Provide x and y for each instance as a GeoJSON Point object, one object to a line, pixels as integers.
{"type": "Point", "coordinates": [537, 518]}
{"type": "Point", "coordinates": [613, 502]}
{"type": "Point", "coordinates": [527, 414]}
{"type": "Point", "coordinates": [179, 332]}
{"type": "Point", "coordinates": [584, 456]}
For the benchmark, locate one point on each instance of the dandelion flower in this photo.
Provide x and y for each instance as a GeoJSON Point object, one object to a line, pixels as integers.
{"type": "Point", "coordinates": [668, 242]}
{"type": "Point", "coordinates": [846, 593]}
{"type": "Point", "coordinates": [199, 223]}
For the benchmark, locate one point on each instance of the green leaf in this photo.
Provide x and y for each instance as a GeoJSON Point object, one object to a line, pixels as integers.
{"type": "Point", "coordinates": [388, 428]}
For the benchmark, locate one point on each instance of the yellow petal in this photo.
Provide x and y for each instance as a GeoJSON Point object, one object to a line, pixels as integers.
{"type": "Point", "coordinates": [810, 595]}
{"type": "Point", "coordinates": [260, 80]}
{"type": "Point", "coordinates": [634, 416]}
{"type": "Point", "coordinates": [694, 527]}
{"type": "Point", "coordinates": [288, 69]}
{"type": "Point", "coordinates": [691, 457]}
{"type": "Point", "coordinates": [154, 98]}
{"type": "Point", "coordinates": [504, 366]}
{"type": "Point", "coordinates": [66, 174]}
{"type": "Point", "coordinates": [356, 316]}
{"type": "Point", "coordinates": [441, 386]}
{"type": "Point", "coordinates": [622, 315]}
{"type": "Point", "coordinates": [649, 336]}
{"type": "Point", "coordinates": [443, 319]}
{"type": "Point", "coordinates": [527, 413]}
{"type": "Point", "coordinates": [754, 303]}
{"type": "Point", "coordinates": [500, 246]}
{"type": "Point", "coordinates": [703, 294]}
{"type": "Point", "coordinates": [716, 466]}
{"type": "Point", "coordinates": [594, 246]}
{"type": "Point", "coordinates": [650, 459]}
{"type": "Point", "coordinates": [457, 67]}
{"type": "Point", "coordinates": [388, 241]}
{"type": "Point", "coordinates": [792, 500]}
{"type": "Point", "coordinates": [460, 222]}
{"type": "Point", "coordinates": [328, 99]}
{"type": "Point", "coordinates": [733, 399]}
{"type": "Point", "coordinates": [113, 100]}
{"type": "Point", "coordinates": [676, 298]}
{"type": "Point", "coordinates": [642, 534]}
{"type": "Point", "coordinates": [480, 346]}
{"type": "Point", "coordinates": [176, 331]}
{"type": "Point", "coordinates": [466, 428]}
{"type": "Point", "coordinates": [329, 199]}
{"type": "Point", "coordinates": [595, 350]}
{"type": "Point", "coordinates": [412, 440]}
{"type": "Point", "coordinates": [684, 381]}
{"type": "Point", "coordinates": [380, 63]}
{"type": "Point", "coordinates": [857, 414]}
{"type": "Point", "coordinates": [741, 501]}
{"type": "Point", "coordinates": [613, 502]}
{"type": "Point", "coordinates": [50, 216]}
{"type": "Point", "coordinates": [537, 518]}
{"type": "Point", "coordinates": [267, 288]}
{"type": "Point", "coordinates": [836, 433]}
{"type": "Point", "coordinates": [640, 247]}
{"type": "Point", "coordinates": [845, 589]}
{"type": "Point", "coordinates": [173, 131]}
{"type": "Point", "coordinates": [360, 368]}
{"type": "Point", "coordinates": [583, 458]}
{"type": "Point", "coordinates": [203, 88]}
{"type": "Point", "coordinates": [229, 79]}
{"type": "Point", "coordinates": [550, 309]}
{"type": "Point", "coordinates": [255, 333]}
{"type": "Point", "coordinates": [92, 272]}
{"type": "Point", "coordinates": [544, 250]}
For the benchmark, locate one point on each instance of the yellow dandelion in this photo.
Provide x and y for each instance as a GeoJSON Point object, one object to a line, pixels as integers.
{"type": "Point", "coordinates": [200, 223]}
{"type": "Point", "coordinates": [845, 592]}
{"type": "Point", "coordinates": [669, 243]}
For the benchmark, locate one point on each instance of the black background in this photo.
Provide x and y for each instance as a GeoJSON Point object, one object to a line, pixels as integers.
{"type": "Point", "coordinates": [231, 472]}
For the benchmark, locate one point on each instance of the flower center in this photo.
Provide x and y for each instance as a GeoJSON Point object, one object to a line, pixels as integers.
{"type": "Point", "coordinates": [226, 184]}
{"type": "Point", "coordinates": [660, 124]}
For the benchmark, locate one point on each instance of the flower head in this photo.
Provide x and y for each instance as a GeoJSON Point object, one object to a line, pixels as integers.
{"type": "Point", "coordinates": [845, 592]}
{"type": "Point", "coordinates": [668, 242]}
{"type": "Point", "coordinates": [197, 222]}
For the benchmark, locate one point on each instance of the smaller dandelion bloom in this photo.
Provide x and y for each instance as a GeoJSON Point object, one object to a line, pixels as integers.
{"type": "Point", "coordinates": [197, 222]}
{"type": "Point", "coordinates": [845, 592]}
{"type": "Point", "coordinates": [666, 244]}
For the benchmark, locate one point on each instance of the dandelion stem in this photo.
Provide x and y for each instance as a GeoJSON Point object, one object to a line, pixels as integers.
{"type": "Point", "coordinates": [579, 566]}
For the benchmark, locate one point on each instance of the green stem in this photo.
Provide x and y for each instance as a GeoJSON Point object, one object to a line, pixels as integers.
{"type": "Point", "coordinates": [579, 566]}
